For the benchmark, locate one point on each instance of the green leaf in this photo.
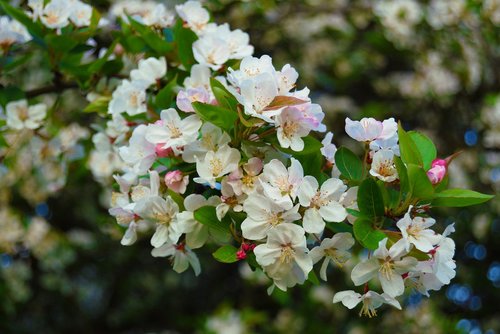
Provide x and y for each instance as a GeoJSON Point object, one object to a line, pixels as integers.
{"type": "Point", "coordinates": [61, 43]}
{"type": "Point", "coordinates": [459, 198]}
{"type": "Point", "coordinates": [366, 234]}
{"type": "Point", "coordinates": [226, 254]}
{"type": "Point", "coordinates": [349, 164]}
{"type": "Point", "coordinates": [402, 174]}
{"type": "Point", "coordinates": [9, 94]}
{"type": "Point", "coordinates": [419, 183]}
{"type": "Point", "coordinates": [313, 278]}
{"type": "Point", "coordinates": [185, 39]}
{"type": "Point", "coordinates": [99, 105]}
{"type": "Point", "coordinates": [426, 148]}
{"type": "Point", "coordinates": [151, 38]}
{"type": "Point", "coordinates": [133, 44]}
{"type": "Point", "coordinates": [409, 151]}
{"type": "Point", "coordinates": [370, 200]}
{"type": "Point", "coordinates": [221, 117]}
{"type": "Point", "coordinates": [339, 227]}
{"type": "Point", "coordinates": [222, 95]}
{"type": "Point", "coordinates": [311, 163]}
{"type": "Point", "coordinates": [165, 96]}
{"type": "Point", "coordinates": [206, 215]}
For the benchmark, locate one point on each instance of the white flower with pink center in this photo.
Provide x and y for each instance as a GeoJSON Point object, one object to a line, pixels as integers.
{"type": "Point", "coordinates": [383, 167]}
{"type": "Point", "coordinates": [129, 97]}
{"type": "Point", "coordinates": [217, 164]}
{"type": "Point", "coordinates": [291, 128]}
{"type": "Point", "coordinates": [140, 154]}
{"type": "Point", "coordinates": [174, 131]}
{"type": "Point", "coordinates": [369, 129]}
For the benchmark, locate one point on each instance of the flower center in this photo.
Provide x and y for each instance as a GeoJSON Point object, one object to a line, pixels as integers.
{"type": "Point", "coordinates": [274, 219]}
{"type": "Point", "coordinates": [216, 166]}
{"type": "Point", "coordinates": [367, 309]}
{"type": "Point", "coordinates": [287, 254]}
{"type": "Point", "coordinates": [386, 269]}
{"type": "Point", "coordinates": [175, 132]}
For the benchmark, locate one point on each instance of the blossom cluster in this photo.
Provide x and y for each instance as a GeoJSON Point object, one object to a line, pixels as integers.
{"type": "Point", "coordinates": [208, 145]}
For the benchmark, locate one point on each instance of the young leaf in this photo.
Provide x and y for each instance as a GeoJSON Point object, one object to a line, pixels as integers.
{"type": "Point", "coordinates": [409, 151]}
{"type": "Point", "coordinates": [206, 215]}
{"type": "Point", "coordinates": [420, 186]}
{"type": "Point", "coordinates": [459, 198]}
{"type": "Point", "coordinates": [370, 200]}
{"type": "Point", "coordinates": [216, 115]}
{"type": "Point", "coordinates": [185, 39]}
{"type": "Point", "coordinates": [226, 254]}
{"type": "Point", "coordinates": [222, 95]}
{"type": "Point", "coordinates": [426, 148]}
{"type": "Point", "coordinates": [368, 236]}
{"type": "Point", "coordinates": [284, 101]}
{"type": "Point", "coordinates": [349, 164]}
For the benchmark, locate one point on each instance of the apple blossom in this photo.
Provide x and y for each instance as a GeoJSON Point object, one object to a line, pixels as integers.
{"type": "Point", "coordinates": [371, 301]}
{"type": "Point", "coordinates": [176, 181]}
{"type": "Point", "coordinates": [388, 265]}
{"type": "Point", "coordinates": [217, 164]}
{"type": "Point", "coordinates": [383, 166]}
{"type": "Point", "coordinates": [21, 116]}
{"type": "Point", "coordinates": [149, 71]}
{"type": "Point", "coordinates": [321, 203]}
{"type": "Point", "coordinates": [182, 257]}
{"type": "Point", "coordinates": [333, 250]}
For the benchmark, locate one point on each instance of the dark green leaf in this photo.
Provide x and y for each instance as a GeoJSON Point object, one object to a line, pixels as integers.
{"type": "Point", "coordinates": [313, 278]}
{"type": "Point", "coordinates": [226, 254]}
{"type": "Point", "coordinates": [459, 198]}
{"type": "Point", "coordinates": [339, 227]}
{"type": "Point", "coordinates": [165, 96]}
{"type": "Point", "coordinates": [9, 94]}
{"type": "Point", "coordinates": [349, 164]}
{"type": "Point", "coordinates": [370, 200]}
{"type": "Point", "coordinates": [408, 148]}
{"type": "Point", "coordinates": [206, 215]}
{"type": "Point", "coordinates": [366, 234]}
{"type": "Point", "coordinates": [185, 39]}
{"type": "Point", "coordinates": [402, 174]}
{"type": "Point", "coordinates": [419, 183]}
{"type": "Point", "coordinates": [426, 148]}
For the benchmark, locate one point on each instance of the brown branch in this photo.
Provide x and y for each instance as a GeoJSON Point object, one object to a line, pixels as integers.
{"type": "Point", "coordinates": [51, 89]}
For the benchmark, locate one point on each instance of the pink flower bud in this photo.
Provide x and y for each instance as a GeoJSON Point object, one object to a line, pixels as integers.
{"type": "Point", "coordinates": [163, 152]}
{"type": "Point", "coordinates": [241, 255]}
{"type": "Point", "coordinates": [436, 174]}
{"type": "Point", "coordinates": [439, 162]}
{"type": "Point", "coordinates": [247, 247]}
{"type": "Point", "coordinates": [176, 181]}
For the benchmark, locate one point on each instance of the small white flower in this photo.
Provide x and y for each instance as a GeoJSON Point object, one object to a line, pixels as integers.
{"type": "Point", "coordinates": [212, 51]}
{"type": "Point", "coordinates": [139, 154]}
{"type": "Point", "coordinates": [172, 131]}
{"type": "Point", "coordinates": [156, 209]}
{"type": "Point", "coordinates": [129, 97]}
{"type": "Point", "coordinates": [21, 116]}
{"type": "Point", "coordinates": [291, 128]}
{"type": "Point", "coordinates": [371, 301]}
{"type": "Point", "coordinates": [416, 231]}
{"type": "Point", "coordinates": [56, 14]}
{"type": "Point", "coordinates": [217, 164]}
{"type": "Point", "coordinates": [245, 180]}
{"type": "Point", "coordinates": [281, 184]}
{"type": "Point", "coordinates": [369, 129]}
{"type": "Point", "coordinates": [333, 250]}
{"type": "Point", "coordinates": [212, 138]}
{"type": "Point", "coordinates": [284, 256]}
{"type": "Point", "coordinates": [322, 204]}
{"type": "Point", "coordinates": [388, 265]}
{"type": "Point", "coordinates": [149, 70]}
{"type": "Point", "coordinates": [194, 15]}
{"type": "Point", "coordinates": [81, 13]}
{"type": "Point", "coordinates": [263, 215]}
{"type": "Point", "coordinates": [383, 166]}
{"type": "Point", "coordinates": [181, 256]}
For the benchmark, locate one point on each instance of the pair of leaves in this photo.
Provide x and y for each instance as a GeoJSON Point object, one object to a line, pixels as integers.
{"type": "Point", "coordinates": [416, 148]}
